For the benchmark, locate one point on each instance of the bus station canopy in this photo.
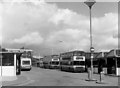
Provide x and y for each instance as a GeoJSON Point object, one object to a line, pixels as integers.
{"type": "Point", "coordinates": [114, 53]}
{"type": "Point", "coordinates": [88, 55]}
{"type": "Point", "coordinates": [101, 55]}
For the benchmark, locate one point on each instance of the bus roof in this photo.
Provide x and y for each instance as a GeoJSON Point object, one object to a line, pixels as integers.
{"type": "Point", "coordinates": [73, 53]}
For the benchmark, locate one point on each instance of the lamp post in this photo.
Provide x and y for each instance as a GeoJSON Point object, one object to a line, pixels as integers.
{"type": "Point", "coordinates": [60, 42]}
{"type": "Point", "coordinates": [90, 3]}
{"type": "Point", "coordinates": [52, 51]}
{"type": "Point", "coordinates": [1, 64]}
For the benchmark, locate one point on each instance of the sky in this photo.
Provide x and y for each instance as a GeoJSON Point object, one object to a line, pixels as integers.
{"type": "Point", "coordinates": [55, 27]}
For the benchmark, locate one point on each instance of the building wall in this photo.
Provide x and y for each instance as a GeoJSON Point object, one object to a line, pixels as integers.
{"type": "Point", "coordinates": [95, 70]}
{"type": "Point", "coordinates": [7, 71]}
{"type": "Point", "coordinates": [105, 70]}
{"type": "Point", "coordinates": [118, 71]}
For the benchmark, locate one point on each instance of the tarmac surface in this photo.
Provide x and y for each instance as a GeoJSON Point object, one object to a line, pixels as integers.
{"type": "Point", "coordinates": [50, 77]}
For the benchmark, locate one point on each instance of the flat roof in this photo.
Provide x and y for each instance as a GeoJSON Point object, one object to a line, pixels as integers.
{"type": "Point", "coordinates": [102, 55]}
{"type": "Point", "coordinates": [10, 52]}
{"type": "Point", "coordinates": [114, 53]}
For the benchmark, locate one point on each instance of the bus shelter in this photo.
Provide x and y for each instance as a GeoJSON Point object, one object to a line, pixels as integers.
{"type": "Point", "coordinates": [101, 62]}
{"type": "Point", "coordinates": [88, 61]}
{"type": "Point", "coordinates": [9, 63]}
{"type": "Point", "coordinates": [113, 62]}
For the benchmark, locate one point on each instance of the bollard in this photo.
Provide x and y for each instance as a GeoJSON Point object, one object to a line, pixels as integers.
{"type": "Point", "coordinates": [89, 74]}
{"type": "Point", "coordinates": [101, 78]}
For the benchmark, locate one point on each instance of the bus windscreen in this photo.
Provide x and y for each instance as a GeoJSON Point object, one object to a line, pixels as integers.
{"type": "Point", "coordinates": [55, 63]}
{"type": "Point", "coordinates": [26, 62]}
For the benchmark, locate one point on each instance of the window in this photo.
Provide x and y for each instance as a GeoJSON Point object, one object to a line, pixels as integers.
{"type": "Point", "coordinates": [26, 62]}
{"type": "Point", "coordinates": [55, 63]}
{"type": "Point", "coordinates": [79, 58]}
{"type": "Point", "coordinates": [79, 63]}
{"type": "Point", "coordinates": [66, 58]}
{"type": "Point", "coordinates": [26, 55]}
{"type": "Point", "coordinates": [82, 62]}
{"type": "Point", "coordinates": [45, 62]}
{"type": "Point", "coordinates": [64, 63]}
{"type": "Point", "coordinates": [7, 59]}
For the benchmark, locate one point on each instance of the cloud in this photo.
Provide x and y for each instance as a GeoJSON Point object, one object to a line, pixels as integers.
{"type": "Point", "coordinates": [105, 31]}
{"type": "Point", "coordinates": [108, 23]}
{"type": "Point", "coordinates": [71, 39]}
{"type": "Point", "coordinates": [39, 23]}
{"type": "Point", "coordinates": [29, 39]}
{"type": "Point", "coordinates": [68, 17]}
{"type": "Point", "coordinates": [21, 18]}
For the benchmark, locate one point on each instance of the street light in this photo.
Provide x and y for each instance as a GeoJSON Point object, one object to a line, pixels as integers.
{"type": "Point", "coordinates": [90, 3]}
{"type": "Point", "coordinates": [60, 42]}
{"type": "Point", "coordinates": [1, 64]}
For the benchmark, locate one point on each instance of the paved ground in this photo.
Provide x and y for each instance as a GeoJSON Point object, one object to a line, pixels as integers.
{"type": "Point", "coordinates": [47, 77]}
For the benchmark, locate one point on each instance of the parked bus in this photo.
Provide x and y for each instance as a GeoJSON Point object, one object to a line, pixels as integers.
{"type": "Point", "coordinates": [51, 61]}
{"type": "Point", "coordinates": [26, 60]}
{"type": "Point", "coordinates": [37, 61]}
{"type": "Point", "coordinates": [72, 61]}
{"type": "Point", "coordinates": [46, 61]}
{"type": "Point", "coordinates": [54, 63]}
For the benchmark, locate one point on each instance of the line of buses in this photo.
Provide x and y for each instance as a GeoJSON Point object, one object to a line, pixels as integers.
{"type": "Point", "coordinates": [70, 61]}
{"type": "Point", "coordinates": [74, 61]}
{"type": "Point", "coordinates": [79, 61]}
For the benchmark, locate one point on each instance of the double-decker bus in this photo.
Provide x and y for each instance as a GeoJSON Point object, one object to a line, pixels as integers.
{"type": "Point", "coordinates": [46, 61]}
{"type": "Point", "coordinates": [26, 59]}
{"type": "Point", "coordinates": [72, 61]}
{"type": "Point", "coordinates": [37, 61]}
{"type": "Point", "coordinates": [54, 63]}
{"type": "Point", "coordinates": [51, 61]}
